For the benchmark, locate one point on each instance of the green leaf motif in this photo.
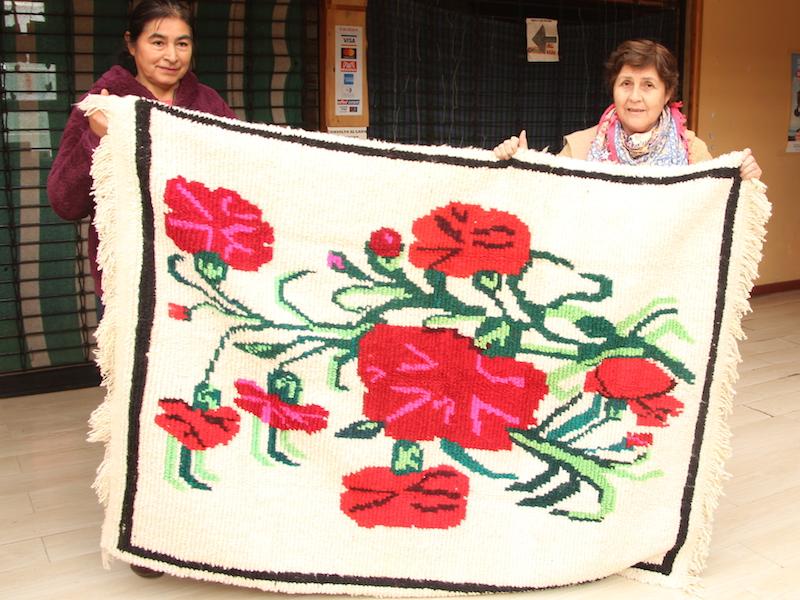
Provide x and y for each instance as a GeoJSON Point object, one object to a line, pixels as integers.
{"type": "Point", "coordinates": [406, 457]}
{"type": "Point", "coordinates": [497, 338]}
{"type": "Point", "coordinates": [206, 397]}
{"type": "Point", "coordinates": [364, 430]}
{"type": "Point", "coordinates": [596, 327]}
{"type": "Point", "coordinates": [211, 267]}
{"type": "Point", "coordinates": [285, 385]}
{"type": "Point", "coordinates": [262, 350]}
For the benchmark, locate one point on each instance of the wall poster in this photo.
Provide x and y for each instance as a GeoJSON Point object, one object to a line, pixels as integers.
{"type": "Point", "coordinates": [793, 144]}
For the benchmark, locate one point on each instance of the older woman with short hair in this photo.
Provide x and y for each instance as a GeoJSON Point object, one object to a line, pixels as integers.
{"type": "Point", "coordinates": [644, 124]}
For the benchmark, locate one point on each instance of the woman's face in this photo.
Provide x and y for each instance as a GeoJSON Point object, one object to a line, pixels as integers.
{"type": "Point", "coordinates": [163, 53]}
{"type": "Point", "coordinates": [639, 97]}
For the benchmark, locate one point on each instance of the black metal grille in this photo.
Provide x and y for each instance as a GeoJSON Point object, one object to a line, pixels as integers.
{"type": "Point", "coordinates": [456, 72]}
{"type": "Point", "coordinates": [261, 56]}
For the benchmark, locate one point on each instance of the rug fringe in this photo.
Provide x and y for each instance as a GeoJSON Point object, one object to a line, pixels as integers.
{"type": "Point", "coordinates": [743, 273]}
{"type": "Point", "coordinates": [100, 422]}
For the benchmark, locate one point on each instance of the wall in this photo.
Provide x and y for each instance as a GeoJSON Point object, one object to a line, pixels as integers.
{"type": "Point", "coordinates": [744, 101]}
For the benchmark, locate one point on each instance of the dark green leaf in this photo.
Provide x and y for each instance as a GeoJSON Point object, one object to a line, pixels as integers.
{"type": "Point", "coordinates": [262, 350]}
{"type": "Point", "coordinates": [365, 430]}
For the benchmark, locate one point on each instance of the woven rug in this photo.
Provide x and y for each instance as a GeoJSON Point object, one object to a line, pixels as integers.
{"type": "Point", "coordinates": [346, 366]}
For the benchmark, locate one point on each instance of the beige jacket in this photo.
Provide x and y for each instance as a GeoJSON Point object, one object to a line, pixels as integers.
{"type": "Point", "coordinates": [576, 145]}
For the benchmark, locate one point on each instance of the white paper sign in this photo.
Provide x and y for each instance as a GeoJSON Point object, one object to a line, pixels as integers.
{"type": "Point", "coordinates": [353, 132]}
{"type": "Point", "coordinates": [349, 59]}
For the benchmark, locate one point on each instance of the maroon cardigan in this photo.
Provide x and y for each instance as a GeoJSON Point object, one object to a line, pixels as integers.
{"type": "Point", "coordinates": [69, 182]}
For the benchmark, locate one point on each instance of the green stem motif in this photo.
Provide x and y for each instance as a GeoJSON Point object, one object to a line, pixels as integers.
{"type": "Point", "coordinates": [172, 269]}
{"type": "Point", "coordinates": [459, 454]}
{"type": "Point", "coordinates": [272, 449]}
{"type": "Point", "coordinates": [171, 464]}
{"type": "Point", "coordinates": [255, 444]}
{"type": "Point", "coordinates": [587, 430]}
{"type": "Point", "coordinates": [577, 422]}
{"type": "Point", "coordinates": [200, 467]}
{"type": "Point", "coordinates": [290, 448]}
{"type": "Point", "coordinates": [625, 326]}
{"type": "Point", "coordinates": [185, 470]}
{"type": "Point", "coordinates": [583, 468]}
{"type": "Point", "coordinates": [252, 326]}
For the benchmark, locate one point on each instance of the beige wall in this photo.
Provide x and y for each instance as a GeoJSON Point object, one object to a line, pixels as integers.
{"type": "Point", "coordinates": [744, 100]}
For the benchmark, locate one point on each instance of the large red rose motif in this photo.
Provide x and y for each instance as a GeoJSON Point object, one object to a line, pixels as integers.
{"type": "Point", "coordinates": [641, 383]}
{"type": "Point", "coordinates": [424, 383]}
{"type": "Point", "coordinates": [195, 428]}
{"type": "Point", "coordinates": [432, 499]}
{"type": "Point", "coordinates": [277, 413]}
{"type": "Point", "coordinates": [462, 239]}
{"type": "Point", "coordinates": [218, 221]}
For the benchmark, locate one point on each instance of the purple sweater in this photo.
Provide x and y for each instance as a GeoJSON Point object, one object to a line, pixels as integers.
{"type": "Point", "coordinates": [69, 182]}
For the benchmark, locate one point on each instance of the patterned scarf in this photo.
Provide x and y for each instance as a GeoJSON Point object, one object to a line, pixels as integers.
{"type": "Point", "coordinates": [664, 144]}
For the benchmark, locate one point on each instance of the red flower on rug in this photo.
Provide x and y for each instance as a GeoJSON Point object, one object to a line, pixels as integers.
{"type": "Point", "coordinates": [641, 383]}
{"type": "Point", "coordinates": [638, 439]}
{"type": "Point", "coordinates": [178, 312]}
{"type": "Point", "coordinates": [195, 428]}
{"type": "Point", "coordinates": [461, 239]}
{"type": "Point", "coordinates": [386, 243]}
{"type": "Point", "coordinates": [432, 499]}
{"type": "Point", "coordinates": [218, 221]}
{"type": "Point", "coordinates": [277, 413]}
{"type": "Point", "coordinates": [425, 383]}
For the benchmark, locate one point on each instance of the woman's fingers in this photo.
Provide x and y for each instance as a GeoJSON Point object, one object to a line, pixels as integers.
{"type": "Point", "coordinates": [749, 168]}
{"type": "Point", "coordinates": [511, 146]}
{"type": "Point", "coordinates": [97, 120]}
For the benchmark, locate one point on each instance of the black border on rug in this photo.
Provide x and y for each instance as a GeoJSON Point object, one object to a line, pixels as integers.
{"type": "Point", "coordinates": [143, 109]}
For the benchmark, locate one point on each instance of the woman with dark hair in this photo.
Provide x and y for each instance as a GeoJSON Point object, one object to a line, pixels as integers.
{"type": "Point", "coordinates": [155, 64]}
{"type": "Point", "coordinates": [643, 125]}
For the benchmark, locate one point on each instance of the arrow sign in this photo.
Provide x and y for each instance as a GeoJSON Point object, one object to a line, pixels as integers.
{"type": "Point", "coordinates": [541, 39]}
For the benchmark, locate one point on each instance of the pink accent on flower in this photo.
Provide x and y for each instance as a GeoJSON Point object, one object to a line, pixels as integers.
{"type": "Point", "coordinates": [426, 362]}
{"type": "Point", "coordinates": [335, 262]}
{"type": "Point", "coordinates": [433, 499]}
{"type": "Point", "coordinates": [436, 383]}
{"type": "Point", "coordinates": [178, 312]}
{"type": "Point", "coordinates": [218, 221]}
{"type": "Point", "coordinates": [386, 243]}
{"type": "Point", "coordinates": [640, 382]}
{"type": "Point", "coordinates": [277, 413]}
{"type": "Point", "coordinates": [638, 439]}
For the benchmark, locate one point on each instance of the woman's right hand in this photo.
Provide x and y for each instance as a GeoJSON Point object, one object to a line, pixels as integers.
{"type": "Point", "coordinates": [98, 122]}
{"type": "Point", "coordinates": [511, 146]}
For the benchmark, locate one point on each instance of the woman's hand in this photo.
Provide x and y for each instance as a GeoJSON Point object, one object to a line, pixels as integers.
{"type": "Point", "coordinates": [511, 146]}
{"type": "Point", "coordinates": [97, 120]}
{"type": "Point", "coordinates": [749, 168]}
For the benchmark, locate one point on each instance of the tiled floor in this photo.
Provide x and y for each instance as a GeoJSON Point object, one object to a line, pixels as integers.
{"type": "Point", "coordinates": [49, 516]}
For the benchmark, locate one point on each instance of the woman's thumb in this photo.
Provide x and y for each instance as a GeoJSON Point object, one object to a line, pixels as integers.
{"type": "Point", "coordinates": [104, 92]}
{"type": "Point", "coordinates": [523, 140]}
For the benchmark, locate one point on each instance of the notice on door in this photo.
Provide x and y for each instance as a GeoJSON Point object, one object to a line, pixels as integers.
{"type": "Point", "coordinates": [349, 70]}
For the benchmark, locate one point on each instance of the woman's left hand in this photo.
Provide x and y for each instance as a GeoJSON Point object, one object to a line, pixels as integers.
{"type": "Point", "coordinates": [749, 168]}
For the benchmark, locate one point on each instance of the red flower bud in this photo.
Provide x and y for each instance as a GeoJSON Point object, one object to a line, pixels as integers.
{"type": "Point", "coordinates": [179, 312]}
{"type": "Point", "coordinates": [386, 243]}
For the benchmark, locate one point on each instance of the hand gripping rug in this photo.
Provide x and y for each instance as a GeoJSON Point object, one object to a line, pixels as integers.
{"type": "Point", "coordinates": [355, 367]}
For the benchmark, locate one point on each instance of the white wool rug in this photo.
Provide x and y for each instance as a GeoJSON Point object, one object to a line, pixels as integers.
{"type": "Point", "coordinates": [343, 366]}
